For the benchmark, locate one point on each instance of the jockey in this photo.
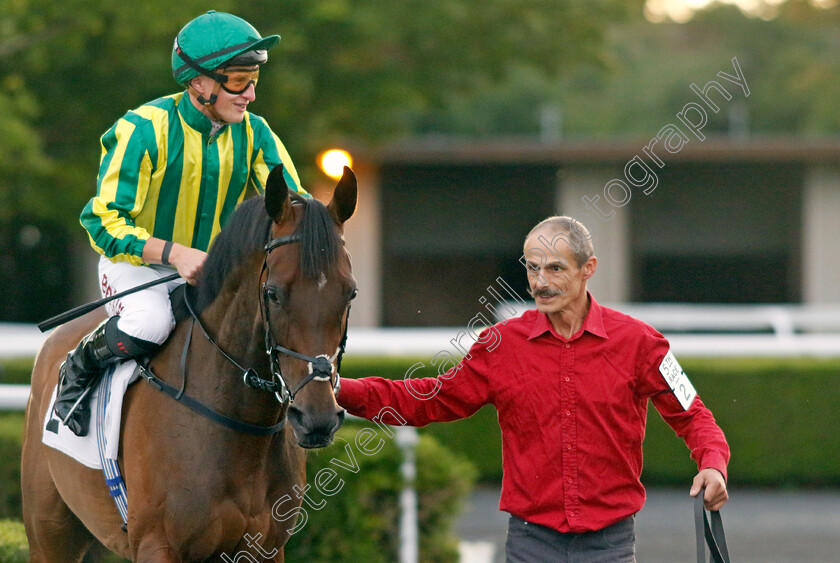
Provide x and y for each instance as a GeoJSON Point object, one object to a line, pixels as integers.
{"type": "Point", "coordinates": [170, 174]}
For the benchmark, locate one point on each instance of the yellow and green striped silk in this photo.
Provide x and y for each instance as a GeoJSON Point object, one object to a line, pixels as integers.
{"type": "Point", "coordinates": [162, 174]}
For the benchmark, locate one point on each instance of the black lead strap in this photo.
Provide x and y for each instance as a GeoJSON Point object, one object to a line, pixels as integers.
{"type": "Point", "coordinates": [197, 320]}
{"type": "Point", "coordinates": [709, 534]}
{"type": "Point", "coordinates": [249, 376]}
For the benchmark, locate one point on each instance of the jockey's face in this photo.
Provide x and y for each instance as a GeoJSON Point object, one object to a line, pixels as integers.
{"type": "Point", "coordinates": [230, 107]}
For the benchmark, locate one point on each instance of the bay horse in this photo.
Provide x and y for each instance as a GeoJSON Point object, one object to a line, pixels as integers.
{"type": "Point", "coordinates": [277, 279]}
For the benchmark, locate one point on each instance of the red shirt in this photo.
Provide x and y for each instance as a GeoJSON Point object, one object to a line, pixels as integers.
{"type": "Point", "coordinates": [572, 412]}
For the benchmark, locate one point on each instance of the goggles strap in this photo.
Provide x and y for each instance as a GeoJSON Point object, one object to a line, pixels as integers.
{"type": "Point", "coordinates": [196, 67]}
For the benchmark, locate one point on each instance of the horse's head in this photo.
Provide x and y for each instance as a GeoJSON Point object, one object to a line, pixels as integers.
{"type": "Point", "coordinates": [307, 288]}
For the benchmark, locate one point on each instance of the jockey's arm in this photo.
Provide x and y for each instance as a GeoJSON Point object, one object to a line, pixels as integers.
{"type": "Point", "coordinates": [188, 261]}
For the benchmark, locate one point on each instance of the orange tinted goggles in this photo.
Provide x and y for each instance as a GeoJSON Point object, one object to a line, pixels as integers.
{"type": "Point", "coordinates": [238, 79]}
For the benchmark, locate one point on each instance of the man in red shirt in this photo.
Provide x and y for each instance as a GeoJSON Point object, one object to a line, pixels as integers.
{"type": "Point", "coordinates": [571, 382]}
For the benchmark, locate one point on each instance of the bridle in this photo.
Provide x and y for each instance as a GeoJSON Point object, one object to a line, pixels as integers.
{"type": "Point", "coordinates": [320, 367]}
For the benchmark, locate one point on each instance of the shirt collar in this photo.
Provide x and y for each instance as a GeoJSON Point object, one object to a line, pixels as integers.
{"type": "Point", "coordinates": [194, 118]}
{"type": "Point", "coordinates": [594, 323]}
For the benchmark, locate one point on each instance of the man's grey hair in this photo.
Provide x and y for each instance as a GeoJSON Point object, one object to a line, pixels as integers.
{"type": "Point", "coordinates": [571, 232]}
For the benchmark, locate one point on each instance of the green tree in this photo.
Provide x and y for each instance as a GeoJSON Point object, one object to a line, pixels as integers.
{"type": "Point", "coordinates": [70, 69]}
{"type": "Point", "coordinates": [645, 71]}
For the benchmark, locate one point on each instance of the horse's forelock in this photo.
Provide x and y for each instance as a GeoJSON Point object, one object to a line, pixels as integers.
{"type": "Point", "coordinates": [320, 242]}
{"type": "Point", "coordinates": [246, 233]}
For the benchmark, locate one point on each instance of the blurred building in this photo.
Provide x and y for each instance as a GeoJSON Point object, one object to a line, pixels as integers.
{"type": "Point", "coordinates": [724, 221]}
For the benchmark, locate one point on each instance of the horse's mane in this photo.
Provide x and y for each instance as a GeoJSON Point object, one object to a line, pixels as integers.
{"type": "Point", "coordinates": [246, 234]}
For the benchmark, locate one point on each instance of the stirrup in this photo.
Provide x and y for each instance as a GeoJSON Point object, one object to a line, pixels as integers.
{"type": "Point", "coordinates": [78, 402]}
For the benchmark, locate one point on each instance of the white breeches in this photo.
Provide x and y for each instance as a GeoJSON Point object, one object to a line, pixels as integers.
{"type": "Point", "coordinates": [147, 314]}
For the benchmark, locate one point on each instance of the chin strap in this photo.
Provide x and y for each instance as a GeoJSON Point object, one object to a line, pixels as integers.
{"type": "Point", "coordinates": [209, 104]}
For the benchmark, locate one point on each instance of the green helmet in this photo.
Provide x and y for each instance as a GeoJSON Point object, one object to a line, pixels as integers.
{"type": "Point", "coordinates": [214, 39]}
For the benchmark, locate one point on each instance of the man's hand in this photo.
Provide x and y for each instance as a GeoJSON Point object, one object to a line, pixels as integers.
{"type": "Point", "coordinates": [188, 261]}
{"type": "Point", "coordinates": [716, 495]}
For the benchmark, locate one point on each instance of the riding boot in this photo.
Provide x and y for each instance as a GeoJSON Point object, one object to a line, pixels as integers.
{"type": "Point", "coordinates": [83, 367]}
{"type": "Point", "coordinates": [76, 377]}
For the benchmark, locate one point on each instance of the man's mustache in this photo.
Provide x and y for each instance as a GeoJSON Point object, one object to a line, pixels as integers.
{"type": "Point", "coordinates": [544, 292]}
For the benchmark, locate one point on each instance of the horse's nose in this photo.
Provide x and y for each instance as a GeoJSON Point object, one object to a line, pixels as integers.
{"type": "Point", "coordinates": [315, 430]}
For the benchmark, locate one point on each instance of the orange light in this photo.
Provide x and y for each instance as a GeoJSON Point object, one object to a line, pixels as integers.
{"type": "Point", "coordinates": [333, 161]}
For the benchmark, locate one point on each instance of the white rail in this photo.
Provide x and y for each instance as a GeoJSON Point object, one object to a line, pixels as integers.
{"type": "Point", "coordinates": [13, 397]}
{"type": "Point", "coordinates": [796, 332]}
{"type": "Point", "coordinates": [19, 340]}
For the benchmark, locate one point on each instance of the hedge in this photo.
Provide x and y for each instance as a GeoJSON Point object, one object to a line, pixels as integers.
{"type": "Point", "coordinates": [13, 545]}
{"type": "Point", "coordinates": [11, 439]}
{"type": "Point", "coordinates": [17, 370]}
{"type": "Point", "coordinates": [776, 413]}
{"type": "Point", "coordinates": [361, 521]}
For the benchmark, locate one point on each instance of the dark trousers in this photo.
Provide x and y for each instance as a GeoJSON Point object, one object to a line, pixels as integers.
{"type": "Point", "coordinates": [532, 543]}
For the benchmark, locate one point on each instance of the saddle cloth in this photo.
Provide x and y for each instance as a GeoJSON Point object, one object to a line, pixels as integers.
{"type": "Point", "coordinates": [85, 449]}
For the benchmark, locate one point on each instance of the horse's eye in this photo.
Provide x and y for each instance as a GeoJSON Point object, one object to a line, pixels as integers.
{"type": "Point", "coordinates": [271, 294]}
{"type": "Point", "coordinates": [354, 294]}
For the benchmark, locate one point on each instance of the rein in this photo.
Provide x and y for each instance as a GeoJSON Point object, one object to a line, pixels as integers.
{"type": "Point", "coordinates": [320, 367]}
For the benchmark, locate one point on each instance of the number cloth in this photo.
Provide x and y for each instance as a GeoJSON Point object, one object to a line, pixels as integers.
{"type": "Point", "coordinates": [572, 413]}
{"type": "Point", "coordinates": [164, 173]}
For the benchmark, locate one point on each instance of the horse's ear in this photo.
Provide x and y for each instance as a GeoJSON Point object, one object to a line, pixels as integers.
{"type": "Point", "coordinates": [277, 200]}
{"type": "Point", "coordinates": [343, 203]}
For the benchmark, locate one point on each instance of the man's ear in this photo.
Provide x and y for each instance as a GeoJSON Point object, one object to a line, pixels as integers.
{"type": "Point", "coordinates": [589, 267]}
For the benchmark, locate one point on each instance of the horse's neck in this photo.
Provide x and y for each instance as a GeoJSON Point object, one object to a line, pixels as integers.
{"type": "Point", "coordinates": [231, 320]}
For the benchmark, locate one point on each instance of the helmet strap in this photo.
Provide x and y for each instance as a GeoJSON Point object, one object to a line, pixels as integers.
{"type": "Point", "coordinates": [209, 103]}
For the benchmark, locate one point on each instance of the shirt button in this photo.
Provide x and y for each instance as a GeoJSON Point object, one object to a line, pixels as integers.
{"type": "Point", "coordinates": [568, 345]}
{"type": "Point", "coordinates": [568, 413]}
{"type": "Point", "coordinates": [571, 514]}
{"type": "Point", "coordinates": [569, 447]}
{"type": "Point", "coordinates": [568, 378]}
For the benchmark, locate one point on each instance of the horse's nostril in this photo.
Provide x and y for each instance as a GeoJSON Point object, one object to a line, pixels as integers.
{"type": "Point", "coordinates": [299, 419]}
{"type": "Point", "coordinates": [340, 413]}
{"type": "Point", "coordinates": [315, 431]}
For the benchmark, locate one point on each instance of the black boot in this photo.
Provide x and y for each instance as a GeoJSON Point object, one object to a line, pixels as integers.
{"type": "Point", "coordinates": [77, 375]}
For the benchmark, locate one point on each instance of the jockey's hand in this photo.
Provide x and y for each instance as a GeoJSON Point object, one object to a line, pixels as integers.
{"type": "Point", "coordinates": [188, 262]}
{"type": "Point", "coordinates": [716, 495]}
